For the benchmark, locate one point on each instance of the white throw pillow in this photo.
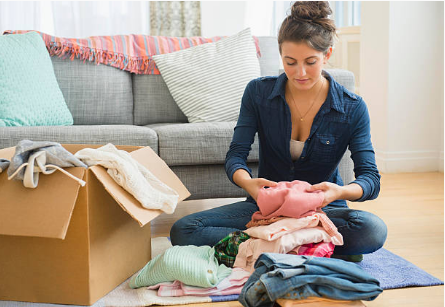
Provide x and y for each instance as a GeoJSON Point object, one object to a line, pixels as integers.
{"type": "Point", "coordinates": [208, 81]}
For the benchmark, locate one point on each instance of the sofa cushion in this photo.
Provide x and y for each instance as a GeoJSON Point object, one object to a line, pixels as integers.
{"type": "Point", "coordinates": [153, 102]}
{"type": "Point", "coordinates": [270, 56]}
{"type": "Point", "coordinates": [197, 143]}
{"type": "Point", "coordinates": [344, 77]}
{"type": "Point", "coordinates": [210, 181]}
{"type": "Point", "coordinates": [208, 81]}
{"type": "Point", "coordinates": [95, 94]}
{"type": "Point", "coordinates": [29, 93]}
{"type": "Point", "coordinates": [116, 134]}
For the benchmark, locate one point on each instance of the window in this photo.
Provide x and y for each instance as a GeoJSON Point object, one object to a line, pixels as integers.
{"type": "Point", "coordinates": [346, 13]}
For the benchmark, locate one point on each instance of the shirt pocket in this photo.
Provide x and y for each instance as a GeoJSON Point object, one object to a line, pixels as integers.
{"type": "Point", "coordinates": [325, 149]}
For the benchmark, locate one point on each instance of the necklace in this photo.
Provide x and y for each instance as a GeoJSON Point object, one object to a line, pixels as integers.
{"type": "Point", "coordinates": [295, 105]}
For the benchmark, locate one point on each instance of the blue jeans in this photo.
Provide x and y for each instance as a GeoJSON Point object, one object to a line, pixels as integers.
{"type": "Point", "coordinates": [363, 232]}
{"type": "Point", "coordinates": [298, 277]}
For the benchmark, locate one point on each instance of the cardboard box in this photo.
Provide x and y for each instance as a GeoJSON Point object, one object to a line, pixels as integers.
{"type": "Point", "coordinates": [67, 244]}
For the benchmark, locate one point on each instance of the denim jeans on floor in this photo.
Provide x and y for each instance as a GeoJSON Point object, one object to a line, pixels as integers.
{"type": "Point", "coordinates": [298, 277]}
{"type": "Point", "coordinates": [363, 232]}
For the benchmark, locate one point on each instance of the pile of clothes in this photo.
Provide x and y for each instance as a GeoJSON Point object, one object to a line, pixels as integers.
{"type": "Point", "coordinates": [299, 277]}
{"type": "Point", "coordinates": [189, 270]}
{"type": "Point", "coordinates": [289, 220]}
{"type": "Point", "coordinates": [284, 253]}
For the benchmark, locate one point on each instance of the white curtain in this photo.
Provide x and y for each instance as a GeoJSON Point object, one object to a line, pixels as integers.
{"type": "Point", "coordinates": [76, 18]}
{"type": "Point", "coordinates": [94, 18]}
{"type": "Point", "coordinates": [264, 18]}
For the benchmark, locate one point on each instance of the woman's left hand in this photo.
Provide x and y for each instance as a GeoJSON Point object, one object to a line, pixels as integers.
{"type": "Point", "coordinates": [331, 191]}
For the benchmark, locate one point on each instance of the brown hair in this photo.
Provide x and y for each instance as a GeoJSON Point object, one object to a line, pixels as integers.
{"type": "Point", "coordinates": [309, 23]}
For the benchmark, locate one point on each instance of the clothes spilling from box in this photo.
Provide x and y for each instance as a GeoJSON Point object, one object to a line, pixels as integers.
{"type": "Point", "coordinates": [67, 244]}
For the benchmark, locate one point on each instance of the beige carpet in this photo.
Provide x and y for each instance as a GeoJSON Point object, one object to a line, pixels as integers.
{"type": "Point", "coordinates": [159, 245]}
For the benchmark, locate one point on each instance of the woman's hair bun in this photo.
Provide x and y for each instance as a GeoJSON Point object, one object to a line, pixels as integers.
{"type": "Point", "coordinates": [310, 10]}
{"type": "Point", "coordinates": [309, 22]}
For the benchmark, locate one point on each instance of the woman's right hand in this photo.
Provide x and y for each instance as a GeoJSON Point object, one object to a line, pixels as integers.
{"type": "Point", "coordinates": [253, 186]}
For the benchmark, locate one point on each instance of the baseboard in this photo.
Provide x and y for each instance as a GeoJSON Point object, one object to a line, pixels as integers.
{"type": "Point", "coordinates": [409, 161]}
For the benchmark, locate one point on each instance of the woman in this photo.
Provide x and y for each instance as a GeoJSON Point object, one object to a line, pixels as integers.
{"type": "Point", "coordinates": [305, 122]}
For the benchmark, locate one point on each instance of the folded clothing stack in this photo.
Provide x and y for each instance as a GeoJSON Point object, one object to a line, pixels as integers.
{"type": "Point", "coordinates": [289, 220]}
{"type": "Point", "coordinates": [230, 285]}
{"type": "Point", "coordinates": [299, 277]}
{"type": "Point", "coordinates": [192, 265]}
{"type": "Point", "coordinates": [289, 235]}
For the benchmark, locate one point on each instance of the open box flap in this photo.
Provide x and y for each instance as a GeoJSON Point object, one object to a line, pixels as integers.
{"type": "Point", "coordinates": [41, 212]}
{"type": "Point", "coordinates": [148, 158]}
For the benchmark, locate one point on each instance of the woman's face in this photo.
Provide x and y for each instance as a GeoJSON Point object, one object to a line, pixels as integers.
{"type": "Point", "coordinates": [302, 64]}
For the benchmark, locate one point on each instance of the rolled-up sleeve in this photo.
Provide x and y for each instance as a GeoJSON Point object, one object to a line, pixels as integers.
{"type": "Point", "coordinates": [362, 153]}
{"type": "Point", "coordinates": [244, 134]}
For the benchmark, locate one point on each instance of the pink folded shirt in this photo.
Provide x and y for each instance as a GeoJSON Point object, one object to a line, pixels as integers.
{"type": "Point", "coordinates": [232, 284]}
{"type": "Point", "coordinates": [288, 199]}
{"type": "Point", "coordinates": [287, 225]}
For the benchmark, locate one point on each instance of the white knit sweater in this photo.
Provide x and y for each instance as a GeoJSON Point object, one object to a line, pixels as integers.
{"type": "Point", "coordinates": [132, 176]}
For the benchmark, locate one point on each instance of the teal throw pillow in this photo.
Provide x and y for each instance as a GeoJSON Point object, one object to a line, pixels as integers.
{"type": "Point", "coordinates": [29, 92]}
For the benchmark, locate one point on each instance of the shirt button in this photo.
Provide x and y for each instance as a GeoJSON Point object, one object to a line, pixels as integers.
{"type": "Point", "coordinates": [302, 158]}
{"type": "Point", "coordinates": [210, 271]}
{"type": "Point", "coordinates": [327, 142]}
{"type": "Point", "coordinates": [309, 139]}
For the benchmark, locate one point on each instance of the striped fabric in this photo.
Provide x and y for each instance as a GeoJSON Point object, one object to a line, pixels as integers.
{"type": "Point", "coordinates": [192, 265]}
{"type": "Point", "coordinates": [132, 53]}
{"type": "Point", "coordinates": [208, 81]}
{"type": "Point", "coordinates": [232, 284]}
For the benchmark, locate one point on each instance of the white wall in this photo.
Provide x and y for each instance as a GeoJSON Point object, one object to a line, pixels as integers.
{"type": "Point", "coordinates": [219, 18]}
{"type": "Point", "coordinates": [402, 83]}
{"type": "Point", "coordinates": [229, 17]}
{"type": "Point", "coordinates": [374, 46]}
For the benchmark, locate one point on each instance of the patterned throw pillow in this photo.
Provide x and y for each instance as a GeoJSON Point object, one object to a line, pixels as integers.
{"type": "Point", "coordinates": [208, 81]}
{"type": "Point", "coordinates": [29, 92]}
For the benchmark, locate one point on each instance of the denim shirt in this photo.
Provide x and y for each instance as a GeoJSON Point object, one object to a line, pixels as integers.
{"type": "Point", "coordinates": [342, 122]}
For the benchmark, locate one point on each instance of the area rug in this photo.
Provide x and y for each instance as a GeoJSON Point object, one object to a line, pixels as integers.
{"type": "Point", "coordinates": [391, 270]}
{"type": "Point", "coordinates": [395, 272]}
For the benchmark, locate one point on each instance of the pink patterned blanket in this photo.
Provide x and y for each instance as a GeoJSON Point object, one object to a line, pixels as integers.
{"type": "Point", "coordinates": [132, 53]}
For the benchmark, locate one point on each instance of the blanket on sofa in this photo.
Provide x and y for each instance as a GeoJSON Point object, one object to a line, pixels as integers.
{"type": "Point", "coordinates": [132, 53]}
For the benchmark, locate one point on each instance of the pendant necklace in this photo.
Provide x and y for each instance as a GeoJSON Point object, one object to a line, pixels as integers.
{"type": "Point", "coordinates": [295, 105]}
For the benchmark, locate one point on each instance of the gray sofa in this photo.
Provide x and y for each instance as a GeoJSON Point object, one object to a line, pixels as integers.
{"type": "Point", "coordinates": [111, 105]}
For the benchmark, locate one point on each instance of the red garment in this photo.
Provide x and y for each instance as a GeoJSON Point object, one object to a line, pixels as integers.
{"type": "Point", "coordinates": [288, 199]}
{"type": "Point", "coordinates": [322, 249]}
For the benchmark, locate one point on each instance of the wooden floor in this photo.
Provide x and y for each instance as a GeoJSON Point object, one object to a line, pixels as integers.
{"type": "Point", "coordinates": [412, 206]}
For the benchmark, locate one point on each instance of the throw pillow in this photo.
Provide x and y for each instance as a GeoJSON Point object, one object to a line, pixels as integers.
{"type": "Point", "coordinates": [208, 81]}
{"type": "Point", "coordinates": [29, 92]}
